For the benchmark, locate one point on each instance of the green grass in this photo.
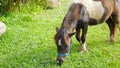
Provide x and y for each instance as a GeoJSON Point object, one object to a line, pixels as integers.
{"type": "Point", "coordinates": [29, 42]}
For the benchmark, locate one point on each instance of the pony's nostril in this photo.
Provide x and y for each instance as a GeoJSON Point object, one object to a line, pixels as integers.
{"type": "Point", "coordinates": [60, 60]}
{"type": "Point", "coordinates": [59, 63]}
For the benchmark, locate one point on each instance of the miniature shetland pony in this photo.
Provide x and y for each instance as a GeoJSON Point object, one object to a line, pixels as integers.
{"type": "Point", "coordinates": [81, 14]}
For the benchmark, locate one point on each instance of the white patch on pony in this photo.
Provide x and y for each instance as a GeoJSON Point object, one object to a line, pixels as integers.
{"type": "Point", "coordinates": [83, 49]}
{"type": "Point", "coordinates": [94, 8]}
{"type": "Point", "coordinates": [58, 62]}
{"type": "Point", "coordinates": [59, 42]}
{"type": "Point", "coordinates": [84, 46]}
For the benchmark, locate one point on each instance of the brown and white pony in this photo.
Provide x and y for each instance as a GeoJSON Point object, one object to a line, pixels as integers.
{"type": "Point", "coordinates": [81, 14]}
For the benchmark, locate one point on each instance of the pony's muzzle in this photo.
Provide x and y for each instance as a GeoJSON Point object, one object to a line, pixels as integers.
{"type": "Point", "coordinates": [60, 60]}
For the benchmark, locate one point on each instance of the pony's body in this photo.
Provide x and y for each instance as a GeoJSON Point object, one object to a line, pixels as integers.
{"type": "Point", "coordinates": [94, 8]}
{"type": "Point", "coordinates": [81, 14]}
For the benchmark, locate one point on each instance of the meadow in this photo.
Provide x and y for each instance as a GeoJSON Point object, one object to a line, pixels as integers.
{"type": "Point", "coordinates": [29, 41]}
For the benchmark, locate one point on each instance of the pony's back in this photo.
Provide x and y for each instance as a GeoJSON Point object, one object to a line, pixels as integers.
{"type": "Point", "coordinates": [95, 8]}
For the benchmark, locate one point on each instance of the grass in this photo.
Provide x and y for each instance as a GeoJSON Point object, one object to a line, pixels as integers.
{"type": "Point", "coordinates": [28, 42]}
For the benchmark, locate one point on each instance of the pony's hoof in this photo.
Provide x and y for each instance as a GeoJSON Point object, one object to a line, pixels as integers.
{"type": "Point", "coordinates": [83, 51]}
{"type": "Point", "coordinates": [112, 40]}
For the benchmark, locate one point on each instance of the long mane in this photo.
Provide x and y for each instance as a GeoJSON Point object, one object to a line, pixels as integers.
{"type": "Point", "coordinates": [72, 14]}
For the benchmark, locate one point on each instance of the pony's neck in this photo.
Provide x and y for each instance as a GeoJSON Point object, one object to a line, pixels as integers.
{"type": "Point", "coordinates": [71, 17]}
{"type": "Point", "coordinates": [69, 24]}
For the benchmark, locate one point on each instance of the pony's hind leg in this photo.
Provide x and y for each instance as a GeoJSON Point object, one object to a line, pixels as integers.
{"type": "Point", "coordinates": [116, 18]}
{"type": "Point", "coordinates": [116, 13]}
{"type": "Point", "coordinates": [113, 26]}
{"type": "Point", "coordinates": [114, 22]}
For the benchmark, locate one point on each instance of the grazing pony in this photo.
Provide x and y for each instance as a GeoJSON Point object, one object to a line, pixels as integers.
{"type": "Point", "coordinates": [81, 14]}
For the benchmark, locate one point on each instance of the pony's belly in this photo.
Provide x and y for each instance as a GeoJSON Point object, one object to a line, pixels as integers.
{"type": "Point", "coordinates": [94, 8]}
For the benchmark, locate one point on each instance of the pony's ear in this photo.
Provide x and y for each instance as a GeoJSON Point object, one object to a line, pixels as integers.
{"type": "Point", "coordinates": [71, 34]}
{"type": "Point", "coordinates": [57, 29]}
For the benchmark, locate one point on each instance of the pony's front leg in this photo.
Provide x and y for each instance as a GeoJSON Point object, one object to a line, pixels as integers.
{"type": "Point", "coordinates": [78, 30]}
{"type": "Point", "coordinates": [83, 38]}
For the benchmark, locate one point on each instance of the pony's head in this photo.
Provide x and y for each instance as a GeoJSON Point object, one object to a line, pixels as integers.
{"type": "Point", "coordinates": [63, 42]}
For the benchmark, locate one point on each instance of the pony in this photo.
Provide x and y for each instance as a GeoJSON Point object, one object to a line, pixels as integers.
{"type": "Point", "coordinates": [80, 15]}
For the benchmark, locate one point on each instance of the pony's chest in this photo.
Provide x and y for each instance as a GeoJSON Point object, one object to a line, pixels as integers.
{"type": "Point", "coordinates": [94, 8]}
